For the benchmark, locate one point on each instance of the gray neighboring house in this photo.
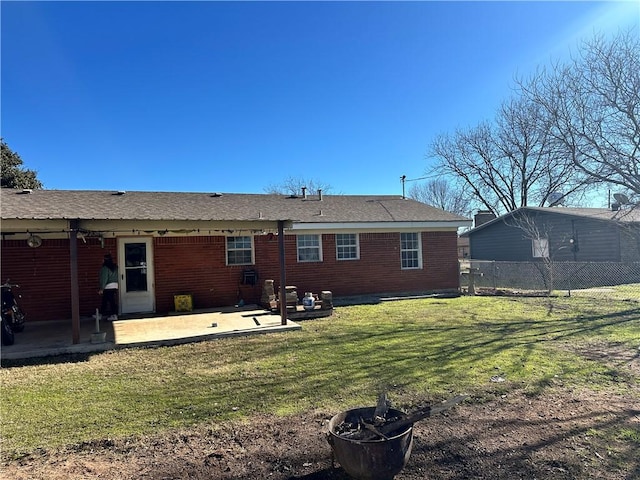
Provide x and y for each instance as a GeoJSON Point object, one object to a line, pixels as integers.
{"type": "Point", "coordinates": [559, 234]}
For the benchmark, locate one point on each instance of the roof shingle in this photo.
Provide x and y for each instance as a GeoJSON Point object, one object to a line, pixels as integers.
{"type": "Point", "coordinates": [138, 205]}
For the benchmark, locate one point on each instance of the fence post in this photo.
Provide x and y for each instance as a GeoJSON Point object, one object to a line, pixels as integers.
{"type": "Point", "coordinates": [471, 290]}
{"type": "Point", "coordinates": [494, 275]}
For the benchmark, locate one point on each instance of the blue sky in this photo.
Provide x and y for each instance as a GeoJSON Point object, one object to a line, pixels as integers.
{"type": "Point", "coordinates": [237, 96]}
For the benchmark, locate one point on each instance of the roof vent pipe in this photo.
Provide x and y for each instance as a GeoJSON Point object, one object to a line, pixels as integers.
{"type": "Point", "coordinates": [304, 192]}
{"type": "Point", "coordinates": [319, 194]}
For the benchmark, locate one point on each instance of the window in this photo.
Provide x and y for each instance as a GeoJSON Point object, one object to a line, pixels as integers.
{"type": "Point", "coordinates": [347, 247]}
{"type": "Point", "coordinates": [239, 251]}
{"type": "Point", "coordinates": [410, 250]}
{"type": "Point", "coordinates": [309, 248]}
{"type": "Point", "coordinates": [540, 247]}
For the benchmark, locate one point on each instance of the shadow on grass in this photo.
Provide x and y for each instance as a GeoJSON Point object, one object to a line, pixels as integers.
{"type": "Point", "coordinates": [340, 362]}
{"type": "Point", "coordinates": [49, 360]}
{"type": "Point", "coordinates": [348, 357]}
{"type": "Point", "coordinates": [405, 353]}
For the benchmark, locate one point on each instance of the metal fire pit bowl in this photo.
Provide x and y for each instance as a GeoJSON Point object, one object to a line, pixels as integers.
{"type": "Point", "coordinates": [370, 459]}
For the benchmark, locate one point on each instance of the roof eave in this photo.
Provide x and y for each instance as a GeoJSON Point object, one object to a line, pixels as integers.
{"type": "Point", "coordinates": [389, 226]}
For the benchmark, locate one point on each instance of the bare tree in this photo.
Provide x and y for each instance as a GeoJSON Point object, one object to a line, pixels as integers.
{"type": "Point", "coordinates": [569, 127]}
{"type": "Point", "coordinates": [440, 193]}
{"type": "Point", "coordinates": [293, 186]}
{"type": "Point", "coordinates": [593, 103]}
{"type": "Point", "coordinates": [510, 163]}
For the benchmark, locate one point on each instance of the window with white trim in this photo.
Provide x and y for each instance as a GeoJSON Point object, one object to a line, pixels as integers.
{"type": "Point", "coordinates": [410, 250]}
{"type": "Point", "coordinates": [540, 247]}
{"type": "Point", "coordinates": [240, 250]}
{"type": "Point", "coordinates": [309, 248]}
{"type": "Point", "coordinates": [347, 246]}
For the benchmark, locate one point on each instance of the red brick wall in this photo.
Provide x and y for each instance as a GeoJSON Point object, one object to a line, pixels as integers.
{"type": "Point", "coordinates": [197, 266]}
{"type": "Point", "coordinates": [44, 276]}
{"type": "Point", "coordinates": [378, 269]}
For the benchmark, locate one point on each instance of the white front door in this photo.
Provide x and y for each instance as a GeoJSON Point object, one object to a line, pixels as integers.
{"type": "Point", "coordinates": [135, 261]}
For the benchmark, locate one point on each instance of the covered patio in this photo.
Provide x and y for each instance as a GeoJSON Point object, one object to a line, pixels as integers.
{"type": "Point", "coordinates": [48, 338]}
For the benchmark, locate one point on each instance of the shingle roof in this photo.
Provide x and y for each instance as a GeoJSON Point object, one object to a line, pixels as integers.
{"type": "Point", "coordinates": [136, 205]}
{"type": "Point", "coordinates": [626, 215]}
{"type": "Point", "coordinates": [623, 215]}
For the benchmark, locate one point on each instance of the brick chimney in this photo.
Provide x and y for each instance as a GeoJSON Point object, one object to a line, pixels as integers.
{"type": "Point", "coordinates": [482, 217]}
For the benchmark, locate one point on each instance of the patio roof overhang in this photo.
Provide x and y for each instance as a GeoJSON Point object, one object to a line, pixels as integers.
{"type": "Point", "coordinates": [61, 228]}
{"type": "Point", "coordinates": [23, 228]}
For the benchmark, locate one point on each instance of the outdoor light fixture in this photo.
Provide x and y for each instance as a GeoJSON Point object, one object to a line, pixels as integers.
{"type": "Point", "coordinates": [574, 244]}
{"type": "Point", "coordinates": [34, 241]}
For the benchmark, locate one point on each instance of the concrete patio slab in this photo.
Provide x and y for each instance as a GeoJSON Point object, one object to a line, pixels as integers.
{"type": "Point", "coordinates": [42, 339]}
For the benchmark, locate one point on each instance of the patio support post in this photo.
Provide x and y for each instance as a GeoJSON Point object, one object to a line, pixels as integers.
{"type": "Point", "coordinates": [283, 274]}
{"type": "Point", "coordinates": [75, 296]}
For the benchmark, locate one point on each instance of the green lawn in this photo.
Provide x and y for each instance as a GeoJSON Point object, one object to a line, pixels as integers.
{"type": "Point", "coordinates": [629, 291]}
{"type": "Point", "coordinates": [419, 350]}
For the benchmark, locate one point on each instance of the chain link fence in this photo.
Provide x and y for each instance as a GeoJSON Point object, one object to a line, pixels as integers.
{"type": "Point", "coordinates": [598, 279]}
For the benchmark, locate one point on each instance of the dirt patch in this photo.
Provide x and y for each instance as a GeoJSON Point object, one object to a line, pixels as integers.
{"type": "Point", "coordinates": [615, 355]}
{"type": "Point", "coordinates": [505, 292]}
{"type": "Point", "coordinates": [563, 434]}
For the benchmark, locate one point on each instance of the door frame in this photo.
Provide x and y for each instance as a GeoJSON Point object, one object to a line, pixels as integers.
{"type": "Point", "coordinates": [137, 302]}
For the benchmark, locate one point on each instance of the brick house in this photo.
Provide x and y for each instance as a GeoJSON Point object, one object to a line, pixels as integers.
{"type": "Point", "coordinates": [218, 248]}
